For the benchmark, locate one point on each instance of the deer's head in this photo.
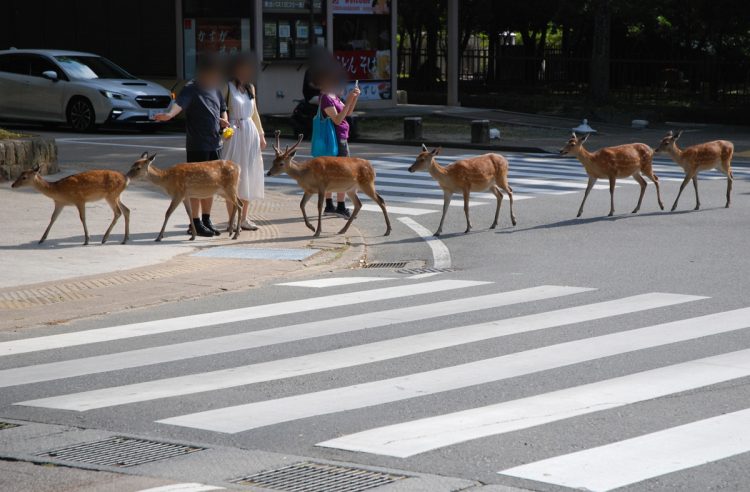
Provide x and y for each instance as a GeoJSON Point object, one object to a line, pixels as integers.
{"type": "Point", "coordinates": [140, 167]}
{"type": "Point", "coordinates": [283, 159]}
{"type": "Point", "coordinates": [668, 142]}
{"type": "Point", "coordinates": [424, 159]}
{"type": "Point", "coordinates": [574, 145]}
{"type": "Point", "coordinates": [26, 178]}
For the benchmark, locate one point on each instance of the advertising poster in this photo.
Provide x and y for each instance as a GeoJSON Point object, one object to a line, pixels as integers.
{"type": "Point", "coordinates": [219, 36]}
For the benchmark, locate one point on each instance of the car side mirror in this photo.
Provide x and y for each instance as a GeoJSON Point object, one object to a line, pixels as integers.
{"type": "Point", "coordinates": [50, 75]}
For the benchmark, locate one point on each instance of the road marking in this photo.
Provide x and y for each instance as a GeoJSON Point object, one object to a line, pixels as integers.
{"type": "Point", "coordinates": [183, 487]}
{"type": "Point", "coordinates": [644, 457]}
{"type": "Point", "coordinates": [224, 317]}
{"type": "Point", "coordinates": [420, 276]}
{"type": "Point", "coordinates": [261, 338]}
{"type": "Point", "coordinates": [245, 417]}
{"type": "Point", "coordinates": [441, 255]}
{"type": "Point", "coordinates": [297, 366]}
{"type": "Point", "coordinates": [367, 207]}
{"type": "Point", "coordinates": [419, 436]}
{"type": "Point", "coordinates": [321, 283]}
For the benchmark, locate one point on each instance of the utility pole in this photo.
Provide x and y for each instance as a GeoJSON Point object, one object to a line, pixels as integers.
{"type": "Point", "coordinates": [453, 35]}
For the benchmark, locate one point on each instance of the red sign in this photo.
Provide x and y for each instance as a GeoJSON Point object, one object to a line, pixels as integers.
{"type": "Point", "coordinates": [222, 36]}
{"type": "Point", "coordinates": [366, 64]}
{"type": "Point", "coordinates": [380, 7]}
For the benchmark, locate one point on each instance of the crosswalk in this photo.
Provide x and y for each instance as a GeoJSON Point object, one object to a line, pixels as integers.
{"type": "Point", "coordinates": [531, 175]}
{"type": "Point", "coordinates": [391, 306]}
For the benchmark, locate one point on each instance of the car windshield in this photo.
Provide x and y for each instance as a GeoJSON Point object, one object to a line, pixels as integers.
{"type": "Point", "coordinates": [83, 67]}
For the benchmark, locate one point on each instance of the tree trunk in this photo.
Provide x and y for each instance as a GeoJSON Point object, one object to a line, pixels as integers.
{"type": "Point", "coordinates": [599, 78]}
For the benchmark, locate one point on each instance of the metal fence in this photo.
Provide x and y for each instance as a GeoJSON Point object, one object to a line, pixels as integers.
{"type": "Point", "coordinates": [560, 73]}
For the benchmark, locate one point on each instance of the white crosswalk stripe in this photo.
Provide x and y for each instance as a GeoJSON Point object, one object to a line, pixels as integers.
{"type": "Point", "coordinates": [646, 456]}
{"type": "Point", "coordinates": [640, 456]}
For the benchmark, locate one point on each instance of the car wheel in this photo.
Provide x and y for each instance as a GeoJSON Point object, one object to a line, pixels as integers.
{"type": "Point", "coordinates": [81, 115]}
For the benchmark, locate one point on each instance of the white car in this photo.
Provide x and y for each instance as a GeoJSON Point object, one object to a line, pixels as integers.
{"type": "Point", "coordinates": [82, 89]}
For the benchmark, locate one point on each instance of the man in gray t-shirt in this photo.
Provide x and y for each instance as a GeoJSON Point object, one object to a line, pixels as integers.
{"type": "Point", "coordinates": [205, 116]}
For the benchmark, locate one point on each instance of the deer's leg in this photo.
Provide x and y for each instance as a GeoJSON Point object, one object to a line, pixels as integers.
{"type": "Point", "coordinates": [188, 204]}
{"type": "Point", "coordinates": [655, 179]}
{"type": "Point", "coordinates": [697, 199]}
{"type": "Point", "coordinates": [639, 179]}
{"type": "Point", "coordinates": [173, 205]}
{"type": "Point", "coordinates": [496, 191]}
{"type": "Point", "coordinates": [592, 181]}
{"type": "Point", "coordinates": [727, 169]}
{"type": "Point", "coordinates": [357, 206]}
{"type": "Point", "coordinates": [612, 182]}
{"type": "Point", "coordinates": [447, 195]}
{"type": "Point", "coordinates": [321, 200]}
{"type": "Point", "coordinates": [685, 181]}
{"type": "Point", "coordinates": [126, 212]}
{"type": "Point", "coordinates": [82, 215]}
{"type": "Point", "coordinates": [116, 211]}
{"type": "Point", "coordinates": [374, 196]}
{"type": "Point", "coordinates": [238, 204]}
{"type": "Point", "coordinates": [503, 184]}
{"type": "Point", "coordinates": [467, 193]}
{"type": "Point", "coordinates": [302, 204]}
{"type": "Point", "coordinates": [55, 215]}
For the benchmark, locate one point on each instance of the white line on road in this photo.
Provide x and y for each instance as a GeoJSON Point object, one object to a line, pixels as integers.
{"type": "Point", "coordinates": [441, 255]}
{"type": "Point", "coordinates": [419, 436]}
{"type": "Point", "coordinates": [320, 283]}
{"type": "Point", "coordinates": [262, 338]}
{"type": "Point", "coordinates": [369, 207]}
{"type": "Point", "coordinates": [633, 460]}
{"type": "Point", "coordinates": [224, 317]}
{"type": "Point", "coordinates": [241, 418]}
{"type": "Point", "coordinates": [307, 364]}
{"type": "Point", "coordinates": [183, 487]}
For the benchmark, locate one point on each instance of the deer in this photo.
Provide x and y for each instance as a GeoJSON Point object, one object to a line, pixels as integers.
{"type": "Point", "coordinates": [696, 158]}
{"type": "Point", "coordinates": [481, 173]}
{"type": "Point", "coordinates": [322, 174]}
{"type": "Point", "coordinates": [78, 190]}
{"type": "Point", "coordinates": [192, 180]}
{"type": "Point", "coordinates": [630, 160]}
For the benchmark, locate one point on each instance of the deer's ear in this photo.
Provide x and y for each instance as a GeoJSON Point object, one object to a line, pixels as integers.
{"type": "Point", "coordinates": [293, 153]}
{"type": "Point", "coordinates": [424, 148]}
{"type": "Point", "coordinates": [151, 158]}
{"type": "Point", "coordinates": [437, 151]}
{"type": "Point", "coordinates": [678, 135]}
{"type": "Point", "coordinates": [585, 137]}
{"type": "Point", "coordinates": [35, 168]}
{"type": "Point", "coordinates": [144, 155]}
{"type": "Point", "coordinates": [574, 136]}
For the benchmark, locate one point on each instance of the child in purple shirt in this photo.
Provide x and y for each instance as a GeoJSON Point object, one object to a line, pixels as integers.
{"type": "Point", "coordinates": [333, 107]}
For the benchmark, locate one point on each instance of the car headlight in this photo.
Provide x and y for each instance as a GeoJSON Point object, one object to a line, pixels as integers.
{"type": "Point", "coordinates": [113, 95]}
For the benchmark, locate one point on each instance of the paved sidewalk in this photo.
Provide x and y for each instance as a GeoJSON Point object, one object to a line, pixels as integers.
{"type": "Point", "coordinates": [61, 280]}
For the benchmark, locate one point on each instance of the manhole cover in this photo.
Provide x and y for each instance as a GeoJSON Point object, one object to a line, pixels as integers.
{"type": "Point", "coordinates": [418, 271]}
{"type": "Point", "coordinates": [120, 452]}
{"type": "Point", "coordinates": [257, 253]}
{"type": "Point", "coordinates": [7, 425]}
{"type": "Point", "coordinates": [319, 477]}
{"type": "Point", "coordinates": [395, 264]}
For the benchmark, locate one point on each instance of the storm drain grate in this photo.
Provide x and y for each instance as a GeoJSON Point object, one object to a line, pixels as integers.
{"type": "Point", "coordinates": [7, 425]}
{"type": "Point", "coordinates": [319, 477]}
{"type": "Point", "coordinates": [419, 271]}
{"type": "Point", "coordinates": [120, 452]}
{"type": "Point", "coordinates": [394, 264]}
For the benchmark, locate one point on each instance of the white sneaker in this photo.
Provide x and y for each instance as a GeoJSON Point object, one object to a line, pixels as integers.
{"type": "Point", "coordinates": [248, 225]}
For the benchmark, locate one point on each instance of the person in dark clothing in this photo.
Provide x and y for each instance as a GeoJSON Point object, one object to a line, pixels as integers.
{"type": "Point", "coordinates": [205, 117]}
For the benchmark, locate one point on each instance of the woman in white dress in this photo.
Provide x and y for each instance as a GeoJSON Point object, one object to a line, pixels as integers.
{"type": "Point", "coordinates": [245, 146]}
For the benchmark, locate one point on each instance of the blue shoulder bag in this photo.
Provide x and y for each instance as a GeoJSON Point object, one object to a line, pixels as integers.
{"type": "Point", "coordinates": [324, 141]}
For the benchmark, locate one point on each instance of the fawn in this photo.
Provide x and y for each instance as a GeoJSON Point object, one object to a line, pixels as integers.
{"type": "Point", "coordinates": [696, 158]}
{"type": "Point", "coordinates": [484, 172]}
{"type": "Point", "coordinates": [79, 189]}
{"type": "Point", "coordinates": [192, 180]}
{"type": "Point", "coordinates": [629, 160]}
{"type": "Point", "coordinates": [322, 174]}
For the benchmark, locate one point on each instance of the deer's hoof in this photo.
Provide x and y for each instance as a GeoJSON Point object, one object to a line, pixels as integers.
{"type": "Point", "coordinates": [493, 226]}
{"type": "Point", "coordinates": [437, 234]}
{"type": "Point", "coordinates": [387, 233]}
{"type": "Point", "coordinates": [513, 221]}
{"type": "Point", "coordinates": [309, 226]}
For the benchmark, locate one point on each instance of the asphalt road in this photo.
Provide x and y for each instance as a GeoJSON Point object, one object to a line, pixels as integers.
{"type": "Point", "coordinates": [525, 375]}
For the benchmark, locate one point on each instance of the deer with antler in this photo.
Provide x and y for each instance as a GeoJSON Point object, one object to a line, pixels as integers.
{"type": "Point", "coordinates": [78, 190]}
{"type": "Point", "coordinates": [323, 174]}
{"type": "Point", "coordinates": [484, 172]}
{"type": "Point", "coordinates": [193, 180]}
{"type": "Point", "coordinates": [612, 163]}
{"type": "Point", "coordinates": [696, 158]}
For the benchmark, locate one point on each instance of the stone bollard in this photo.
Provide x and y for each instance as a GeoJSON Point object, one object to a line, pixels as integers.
{"type": "Point", "coordinates": [413, 128]}
{"type": "Point", "coordinates": [480, 131]}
